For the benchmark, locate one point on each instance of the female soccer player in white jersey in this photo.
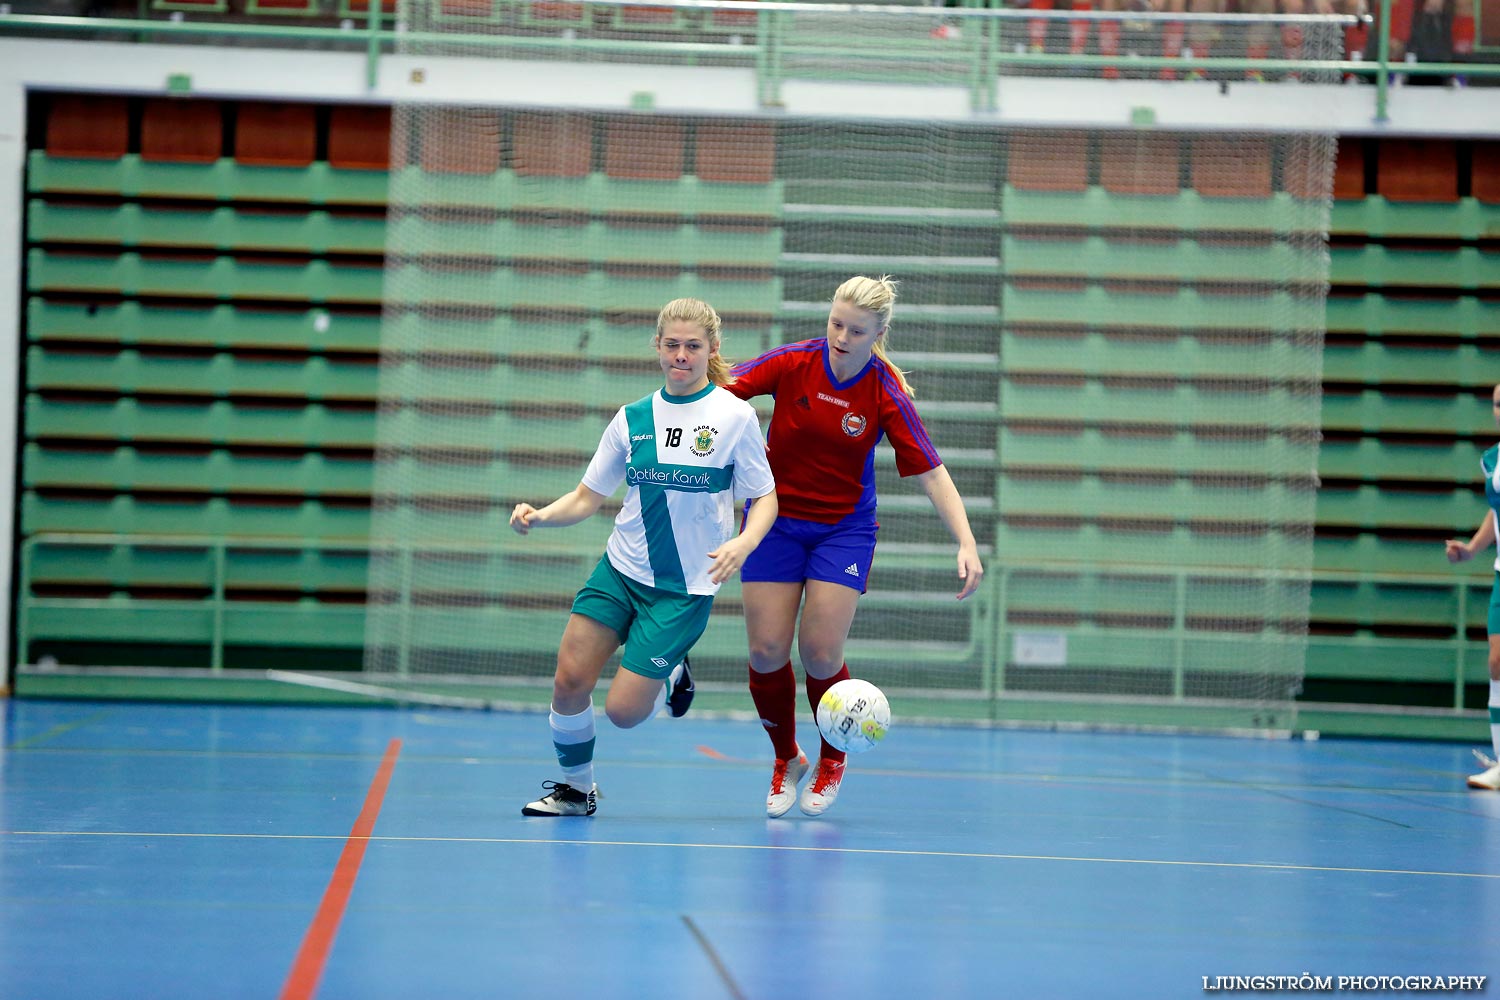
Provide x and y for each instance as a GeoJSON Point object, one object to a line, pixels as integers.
{"type": "Point", "coordinates": [836, 397]}
{"type": "Point", "coordinates": [686, 453]}
{"type": "Point", "coordinates": [1460, 551]}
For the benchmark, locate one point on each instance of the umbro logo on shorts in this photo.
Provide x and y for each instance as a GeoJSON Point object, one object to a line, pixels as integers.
{"type": "Point", "coordinates": [659, 661]}
{"type": "Point", "coordinates": [851, 570]}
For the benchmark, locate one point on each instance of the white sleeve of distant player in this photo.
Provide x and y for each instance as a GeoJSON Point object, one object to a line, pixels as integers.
{"type": "Point", "coordinates": [606, 469]}
{"type": "Point", "coordinates": [752, 470]}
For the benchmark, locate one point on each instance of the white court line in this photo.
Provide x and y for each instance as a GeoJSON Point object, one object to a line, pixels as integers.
{"type": "Point", "coordinates": [877, 851]}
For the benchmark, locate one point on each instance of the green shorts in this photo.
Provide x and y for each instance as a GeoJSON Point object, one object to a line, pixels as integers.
{"type": "Point", "coordinates": [657, 627]}
{"type": "Point", "coordinates": [1494, 619]}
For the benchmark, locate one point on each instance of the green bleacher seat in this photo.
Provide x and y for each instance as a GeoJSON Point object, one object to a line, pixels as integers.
{"type": "Point", "coordinates": [221, 228]}
{"type": "Point", "coordinates": [224, 180]}
{"type": "Point", "coordinates": [218, 471]}
{"type": "Point", "coordinates": [1374, 216]}
{"type": "Point", "coordinates": [136, 274]}
{"type": "Point", "coordinates": [1185, 309]}
{"type": "Point", "coordinates": [1371, 552]}
{"type": "Point", "coordinates": [1085, 494]}
{"type": "Point", "coordinates": [1467, 268]}
{"type": "Point", "coordinates": [1370, 458]}
{"type": "Point", "coordinates": [223, 325]}
{"type": "Point", "coordinates": [136, 562]}
{"type": "Point", "coordinates": [1440, 363]}
{"type": "Point", "coordinates": [133, 370]}
{"type": "Point", "coordinates": [1185, 212]}
{"type": "Point", "coordinates": [593, 194]}
{"type": "Point", "coordinates": [1459, 316]}
{"type": "Point", "coordinates": [124, 515]}
{"type": "Point", "coordinates": [671, 242]}
{"type": "Point", "coordinates": [1374, 411]}
{"type": "Point", "coordinates": [1090, 448]}
{"type": "Point", "coordinates": [1372, 603]}
{"type": "Point", "coordinates": [201, 422]}
{"type": "Point", "coordinates": [1377, 506]}
{"type": "Point", "coordinates": [1142, 542]}
{"type": "Point", "coordinates": [1154, 401]}
{"type": "Point", "coordinates": [1185, 356]}
{"type": "Point", "coordinates": [1184, 260]}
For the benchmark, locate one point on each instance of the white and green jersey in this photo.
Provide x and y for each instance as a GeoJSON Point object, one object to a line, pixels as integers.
{"type": "Point", "coordinates": [1489, 463]}
{"type": "Point", "coordinates": [685, 461]}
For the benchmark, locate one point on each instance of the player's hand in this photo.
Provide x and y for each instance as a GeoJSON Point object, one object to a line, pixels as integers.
{"type": "Point", "coordinates": [727, 559]}
{"type": "Point", "coordinates": [1457, 551]}
{"type": "Point", "coordinates": [520, 518]}
{"type": "Point", "coordinates": [970, 570]}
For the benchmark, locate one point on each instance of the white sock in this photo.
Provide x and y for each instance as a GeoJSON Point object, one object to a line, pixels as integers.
{"type": "Point", "coordinates": [1495, 717]}
{"type": "Point", "coordinates": [573, 739]}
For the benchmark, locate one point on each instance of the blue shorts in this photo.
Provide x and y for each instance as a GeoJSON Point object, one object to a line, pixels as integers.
{"type": "Point", "coordinates": [796, 550]}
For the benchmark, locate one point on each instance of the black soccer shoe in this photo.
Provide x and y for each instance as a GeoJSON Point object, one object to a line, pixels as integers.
{"type": "Point", "coordinates": [680, 698]}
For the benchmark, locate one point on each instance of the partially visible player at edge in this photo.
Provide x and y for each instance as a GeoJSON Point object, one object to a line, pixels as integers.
{"type": "Point", "coordinates": [686, 452]}
{"type": "Point", "coordinates": [836, 397]}
{"type": "Point", "coordinates": [1460, 551]}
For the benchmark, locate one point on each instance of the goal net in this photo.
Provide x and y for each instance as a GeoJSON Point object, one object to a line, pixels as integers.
{"type": "Point", "coordinates": [1114, 336]}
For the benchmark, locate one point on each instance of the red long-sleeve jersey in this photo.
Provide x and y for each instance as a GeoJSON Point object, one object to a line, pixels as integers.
{"type": "Point", "coordinates": [823, 432]}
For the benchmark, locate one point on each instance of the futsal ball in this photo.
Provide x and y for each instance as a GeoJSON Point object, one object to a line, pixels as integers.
{"type": "Point", "coordinates": [853, 716]}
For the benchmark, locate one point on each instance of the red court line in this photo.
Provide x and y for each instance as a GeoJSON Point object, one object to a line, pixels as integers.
{"type": "Point", "coordinates": [302, 981]}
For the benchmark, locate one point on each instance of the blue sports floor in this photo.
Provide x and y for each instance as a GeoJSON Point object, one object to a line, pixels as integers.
{"type": "Point", "coordinates": [163, 851]}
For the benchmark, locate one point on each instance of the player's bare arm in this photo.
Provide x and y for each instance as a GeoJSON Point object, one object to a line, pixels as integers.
{"type": "Point", "coordinates": [950, 508]}
{"type": "Point", "coordinates": [570, 508]}
{"type": "Point", "coordinates": [1459, 551]}
{"type": "Point", "coordinates": [729, 557]}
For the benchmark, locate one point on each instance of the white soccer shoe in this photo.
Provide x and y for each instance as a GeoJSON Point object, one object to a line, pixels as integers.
{"type": "Point", "coordinates": [821, 792]}
{"type": "Point", "coordinates": [1489, 778]}
{"type": "Point", "coordinates": [563, 800]}
{"type": "Point", "coordinates": [784, 779]}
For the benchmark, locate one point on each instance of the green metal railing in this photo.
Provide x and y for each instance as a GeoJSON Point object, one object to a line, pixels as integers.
{"type": "Point", "coordinates": [774, 51]}
{"type": "Point", "coordinates": [990, 611]}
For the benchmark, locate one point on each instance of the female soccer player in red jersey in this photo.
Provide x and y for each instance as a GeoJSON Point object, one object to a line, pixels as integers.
{"type": "Point", "coordinates": [836, 397]}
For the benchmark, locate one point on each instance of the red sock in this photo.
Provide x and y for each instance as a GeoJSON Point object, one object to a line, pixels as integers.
{"type": "Point", "coordinates": [1037, 29]}
{"type": "Point", "coordinates": [775, 697]}
{"type": "Point", "coordinates": [1078, 31]}
{"type": "Point", "coordinates": [815, 688]}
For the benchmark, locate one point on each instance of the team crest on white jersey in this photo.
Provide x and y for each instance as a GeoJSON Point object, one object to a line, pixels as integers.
{"type": "Point", "coordinates": [703, 441]}
{"type": "Point", "coordinates": [854, 424]}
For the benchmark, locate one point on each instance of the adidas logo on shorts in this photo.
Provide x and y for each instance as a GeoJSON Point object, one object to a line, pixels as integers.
{"type": "Point", "coordinates": [852, 570]}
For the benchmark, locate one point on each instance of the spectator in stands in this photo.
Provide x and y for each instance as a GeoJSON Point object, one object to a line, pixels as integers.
{"type": "Point", "coordinates": [1292, 36]}
{"type": "Point", "coordinates": [1460, 551]}
{"type": "Point", "coordinates": [1431, 40]}
{"type": "Point", "coordinates": [836, 396]}
{"type": "Point", "coordinates": [684, 453]}
{"type": "Point", "coordinates": [1178, 37]}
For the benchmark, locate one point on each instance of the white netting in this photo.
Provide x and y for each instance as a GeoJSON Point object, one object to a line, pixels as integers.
{"type": "Point", "coordinates": [1114, 336]}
